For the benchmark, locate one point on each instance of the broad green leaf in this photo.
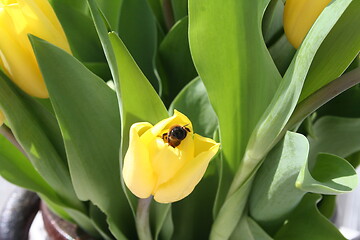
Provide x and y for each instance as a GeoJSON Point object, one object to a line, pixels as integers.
{"type": "Point", "coordinates": [335, 135]}
{"type": "Point", "coordinates": [174, 56]}
{"type": "Point", "coordinates": [194, 102]}
{"type": "Point", "coordinates": [344, 105]}
{"type": "Point", "coordinates": [134, 107]}
{"type": "Point", "coordinates": [137, 29]}
{"type": "Point", "coordinates": [80, 31]}
{"type": "Point", "coordinates": [282, 53]}
{"type": "Point", "coordinates": [192, 216]}
{"type": "Point", "coordinates": [128, 79]}
{"type": "Point", "coordinates": [17, 169]}
{"type": "Point", "coordinates": [270, 127]}
{"type": "Point", "coordinates": [274, 194]}
{"type": "Point", "coordinates": [99, 220]}
{"type": "Point", "coordinates": [112, 11]}
{"type": "Point", "coordinates": [157, 9]}
{"type": "Point", "coordinates": [92, 143]}
{"type": "Point", "coordinates": [327, 205]}
{"type": "Point", "coordinates": [161, 217]}
{"type": "Point", "coordinates": [248, 229]}
{"type": "Point", "coordinates": [336, 52]}
{"type": "Point", "coordinates": [79, 5]}
{"type": "Point", "coordinates": [329, 175]}
{"type": "Point", "coordinates": [322, 96]}
{"type": "Point", "coordinates": [272, 26]}
{"type": "Point", "coordinates": [232, 60]}
{"type": "Point", "coordinates": [40, 145]}
{"type": "Point", "coordinates": [306, 222]}
{"type": "Point", "coordinates": [180, 9]}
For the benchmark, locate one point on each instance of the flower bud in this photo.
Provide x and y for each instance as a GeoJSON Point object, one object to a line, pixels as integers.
{"type": "Point", "coordinates": [156, 165]}
{"type": "Point", "coordinates": [299, 16]}
{"type": "Point", "coordinates": [18, 18]}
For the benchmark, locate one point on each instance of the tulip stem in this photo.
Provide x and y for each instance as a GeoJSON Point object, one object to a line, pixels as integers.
{"type": "Point", "coordinates": [142, 218]}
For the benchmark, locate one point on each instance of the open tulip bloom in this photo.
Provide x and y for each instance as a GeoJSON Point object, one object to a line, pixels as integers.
{"type": "Point", "coordinates": [153, 167]}
{"type": "Point", "coordinates": [188, 119]}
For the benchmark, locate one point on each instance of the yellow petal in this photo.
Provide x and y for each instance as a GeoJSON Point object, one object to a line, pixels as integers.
{"type": "Point", "coordinates": [166, 160]}
{"type": "Point", "coordinates": [21, 66]}
{"type": "Point", "coordinates": [137, 170]}
{"type": "Point", "coordinates": [299, 16]}
{"type": "Point", "coordinates": [2, 118]}
{"type": "Point", "coordinates": [184, 182]}
{"type": "Point", "coordinates": [177, 119]}
{"type": "Point", "coordinates": [18, 19]}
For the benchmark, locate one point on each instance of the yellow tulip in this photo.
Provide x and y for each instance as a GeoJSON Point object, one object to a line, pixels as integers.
{"type": "Point", "coordinates": [154, 167]}
{"type": "Point", "coordinates": [2, 118]}
{"type": "Point", "coordinates": [299, 16]}
{"type": "Point", "coordinates": [18, 18]}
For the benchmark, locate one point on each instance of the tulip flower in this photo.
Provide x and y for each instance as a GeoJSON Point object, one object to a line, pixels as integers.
{"type": "Point", "coordinates": [18, 18]}
{"type": "Point", "coordinates": [299, 16]}
{"type": "Point", "coordinates": [153, 165]}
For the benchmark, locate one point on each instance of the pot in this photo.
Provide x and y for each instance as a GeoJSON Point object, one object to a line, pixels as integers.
{"type": "Point", "coordinates": [18, 214]}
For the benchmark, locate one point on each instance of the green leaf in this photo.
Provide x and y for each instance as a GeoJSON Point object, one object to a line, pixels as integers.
{"type": "Point", "coordinates": [180, 9]}
{"type": "Point", "coordinates": [329, 175]}
{"type": "Point", "coordinates": [323, 95]}
{"type": "Point", "coordinates": [194, 102]}
{"type": "Point", "coordinates": [335, 135]}
{"type": "Point", "coordinates": [274, 194]}
{"type": "Point", "coordinates": [271, 126]}
{"type": "Point", "coordinates": [248, 229]}
{"type": "Point", "coordinates": [192, 216]}
{"type": "Point", "coordinates": [112, 11]}
{"type": "Point", "coordinates": [161, 217]}
{"type": "Point", "coordinates": [175, 59]}
{"type": "Point", "coordinates": [282, 52]}
{"type": "Point", "coordinates": [39, 141]}
{"type": "Point", "coordinates": [87, 111]}
{"type": "Point", "coordinates": [298, 226]}
{"type": "Point", "coordinates": [157, 9]}
{"type": "Point", "coordinates": [17, 169]}
{"type": "Point", "coordinates": [272, 26]}
{"type": "Point", "coordinates": [137, 29]}
{"type": "Point", "coordinates": [222, 51]}
{"type": "Point", "coordinates": [135, 107]}
{"type": "Point", "coordinates": [99, 221]}
{"type": "Point", "coordinates": [336, 53]}
{"type": "Point", "coordinates": [128, 79]}
{"type": "Point", "coordinates": [80, 31]}
{"type": "Point", "coordinates": [344, 105]}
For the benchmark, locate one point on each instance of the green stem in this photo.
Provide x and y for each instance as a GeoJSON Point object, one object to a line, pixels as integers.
{"type": "Point", "coordinates": [142, 219]}
{"type": "Point", "coordinates": [322, 96]}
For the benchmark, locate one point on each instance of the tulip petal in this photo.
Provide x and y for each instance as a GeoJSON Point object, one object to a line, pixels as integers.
{"type": "Point", "coordinates": [166, 160]}
{"type": "Point", "coordinates": [137, 170]}
{"type": "Point", "coordinates": [177, 119]}
{"type": "Point", "coordinates": [184, 182]}
{"type": "Point", "coordinates": [18, 63]}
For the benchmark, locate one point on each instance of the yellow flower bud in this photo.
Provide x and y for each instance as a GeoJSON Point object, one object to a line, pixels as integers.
{"type": "Point", "coordinates": [18, 18]}
{"type": "Point", "coordinates": [299, 16]}
{"type": "Point", "coordinates": [2, 118]}
{"type": "Point", "coordinates": [153, 165]}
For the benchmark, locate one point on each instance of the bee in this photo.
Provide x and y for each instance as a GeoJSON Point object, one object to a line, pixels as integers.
{"type": "Point", "coordinates": [175, 135]}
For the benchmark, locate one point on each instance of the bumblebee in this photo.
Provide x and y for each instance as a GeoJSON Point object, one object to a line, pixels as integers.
{"type": "Point", "coordinates": [175, 135]}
